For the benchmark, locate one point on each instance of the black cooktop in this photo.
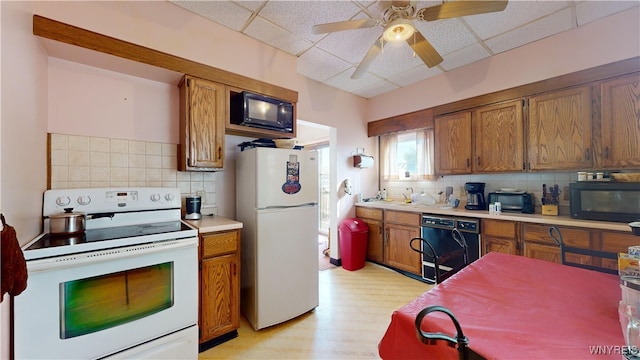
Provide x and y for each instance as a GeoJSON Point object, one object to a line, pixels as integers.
{"type": "Point", "coordinates": [120, 232]}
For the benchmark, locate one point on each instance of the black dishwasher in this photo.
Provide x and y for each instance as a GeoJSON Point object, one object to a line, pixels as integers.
{"type": "Point", "coordinates": [438, 232]}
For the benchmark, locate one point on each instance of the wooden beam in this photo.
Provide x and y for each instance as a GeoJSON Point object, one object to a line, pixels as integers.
{"type": "Point", "coordinates": [411, 121]}
{"type": "Point", "coordinates": [55, 30]}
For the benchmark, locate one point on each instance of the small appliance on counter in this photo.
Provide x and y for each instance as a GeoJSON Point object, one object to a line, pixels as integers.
{"type": "Point", "coordinates": [605, 201]}
{"type": "Point", "coordinates": [475, 196]}
{"type": "Point", "coordinates": [513, 200]}
{"type": "Point", "coordinates": [193, 204]}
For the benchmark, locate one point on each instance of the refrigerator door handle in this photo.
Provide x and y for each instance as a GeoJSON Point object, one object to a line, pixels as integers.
{"type": "Point", "coordinates": [287, 207]}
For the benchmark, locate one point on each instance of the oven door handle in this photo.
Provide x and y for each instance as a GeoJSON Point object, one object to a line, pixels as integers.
{"type": "Point", "coordinates": [101, 215]}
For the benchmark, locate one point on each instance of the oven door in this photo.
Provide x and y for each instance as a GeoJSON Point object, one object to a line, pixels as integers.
{"type": "Point", "coordinates": [96, 304]}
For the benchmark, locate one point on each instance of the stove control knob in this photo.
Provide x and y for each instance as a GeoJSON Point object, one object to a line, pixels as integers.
{"type": "Point", "coordinates": [63, 201]}
{"type": "Point", "coordinates": [155, 197]}
{"type": "Point", "coordinates": [169, 197]}
{"type": "Point", "coordinates": [84, 200]}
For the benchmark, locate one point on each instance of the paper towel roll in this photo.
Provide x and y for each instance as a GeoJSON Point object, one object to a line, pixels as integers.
{"type": "Point", "coordinates": [362, 161]}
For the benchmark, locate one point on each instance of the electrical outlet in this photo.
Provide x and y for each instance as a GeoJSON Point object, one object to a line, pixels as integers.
{"type": "Point", "coordinates": [566, 193]}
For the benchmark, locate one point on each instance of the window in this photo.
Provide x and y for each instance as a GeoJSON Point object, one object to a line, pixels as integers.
{"type": "Point", "coordinates": [407, 155]}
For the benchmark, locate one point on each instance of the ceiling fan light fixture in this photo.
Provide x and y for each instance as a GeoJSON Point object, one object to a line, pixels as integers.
{"type": "Point", "coordinates": [398, 30]}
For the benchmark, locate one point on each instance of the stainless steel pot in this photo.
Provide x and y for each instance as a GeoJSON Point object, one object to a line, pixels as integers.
{"type": "Point", "coordinates": [67, 222]}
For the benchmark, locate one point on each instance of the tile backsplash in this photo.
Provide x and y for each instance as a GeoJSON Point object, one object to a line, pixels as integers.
{"type": "Point", "coordinates": [91, 162]}
{"type": "Point", "coordinates": [529, 182]}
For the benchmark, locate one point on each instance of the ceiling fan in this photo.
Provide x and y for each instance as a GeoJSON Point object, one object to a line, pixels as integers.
{"type": "Point", "coordinates": [397, 21]}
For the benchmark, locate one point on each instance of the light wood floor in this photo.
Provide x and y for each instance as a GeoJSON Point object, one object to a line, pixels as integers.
{"type": "Point", "coordinates": [354, 312]}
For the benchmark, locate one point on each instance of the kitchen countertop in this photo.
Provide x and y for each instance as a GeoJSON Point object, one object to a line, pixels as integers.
{"type": "Point", "coordinates": [214, 223]}
{"type": "Point", "coordinates": [484, 214]}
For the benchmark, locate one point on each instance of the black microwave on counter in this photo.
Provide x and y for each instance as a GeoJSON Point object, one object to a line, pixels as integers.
{"type": "Point", "coordinates": [254, 110]}
{"type": "Point", "coordinates": [605, 200]}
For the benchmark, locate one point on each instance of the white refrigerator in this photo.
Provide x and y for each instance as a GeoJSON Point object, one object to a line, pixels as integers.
{"type": "Point", "coordinates": [277, 202]}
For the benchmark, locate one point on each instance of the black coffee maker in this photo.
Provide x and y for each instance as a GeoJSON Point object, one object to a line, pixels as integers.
{"type": "Point", "coordinates": [475, 196]}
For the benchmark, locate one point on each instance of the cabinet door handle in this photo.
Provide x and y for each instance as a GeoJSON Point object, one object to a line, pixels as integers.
{"type": "Point", "coordinates": [478, 160]}
{"type": "Point", "coordinates": [219, 152]}
{"type": "Point", "coordinates": [587, 154]}
{"type": "Point", "coordinates": [606, 152]}
{"type": "Point", "coordinates": [468, 162]}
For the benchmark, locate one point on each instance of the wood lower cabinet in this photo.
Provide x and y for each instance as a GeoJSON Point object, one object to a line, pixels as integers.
{"type": "Point", "coordinates": [375, 241]}
{"type": "Point", "coordinates": [615, 242]}
{"type": "Point", "coordinates": [400, 227]}
{"type": "Point", "coordinates": [219, 307]}
{"type": "Point", "coordinates": [538, 244]}
{"type": "Point", "coordinates": [501, 236]}
{"type": "Point", "coordinates": [202, 120]}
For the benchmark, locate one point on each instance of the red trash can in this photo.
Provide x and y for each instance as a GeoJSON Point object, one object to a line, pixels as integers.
{"type": "Point", "coordinates": [353, 234]}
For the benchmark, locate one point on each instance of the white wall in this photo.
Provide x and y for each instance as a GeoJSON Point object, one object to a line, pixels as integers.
{"type": "Point", "coordinates": [23, 128]}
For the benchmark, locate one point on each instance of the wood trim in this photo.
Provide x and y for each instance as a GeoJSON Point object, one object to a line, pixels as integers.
{"type": "Point", "coordinates": [598, 73]}
{"type": "Point", "coordinates": [69, 34]}
{"type": "Point", "coordinates": [415, 120]}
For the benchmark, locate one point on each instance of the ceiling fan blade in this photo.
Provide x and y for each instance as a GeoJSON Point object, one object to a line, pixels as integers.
{"type": "Point", "coordinates": [424, 49]}
{"type": "Point", "coordinates": [373, 52]}
{"type": "Point", "coordinates": [461, 8]}
{"type": "Point", "coordinates": [343, 25]}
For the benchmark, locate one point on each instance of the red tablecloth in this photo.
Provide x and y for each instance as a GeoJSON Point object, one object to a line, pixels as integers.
{"type": "Point", "coordinates": [513, 307]}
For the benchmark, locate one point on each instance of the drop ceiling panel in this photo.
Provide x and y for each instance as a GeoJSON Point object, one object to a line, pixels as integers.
{"type": "Point", "coordinates": [332, 58]}
{"type": "Point", "coordinates": [277, 37]}
{"type": "Point", "coordinates": [552, 24]}
{"type": "Point", "coordinates": [320, 65]}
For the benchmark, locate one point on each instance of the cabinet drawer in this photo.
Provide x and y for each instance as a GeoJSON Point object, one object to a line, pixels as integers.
{"type": "Point", "coordinates": [367, 213]}
{"type": "Point", "coordinates": [500, 228]}
{"type": "Point", "coordinates": [571, 236]}
{"type": "Point", "coordinates": [219, 243]}
{"type": "Point", "coordinates": [400, 217]}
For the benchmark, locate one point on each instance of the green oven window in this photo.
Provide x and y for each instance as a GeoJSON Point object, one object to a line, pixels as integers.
{"type": "Point", "coordinates": [101, 302]}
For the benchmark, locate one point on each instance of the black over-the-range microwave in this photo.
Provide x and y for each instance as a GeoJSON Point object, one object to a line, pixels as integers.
{"type": "Point", "coordinates": [254, 110]}
{"type": "Point", "coordinates": [607, 201]}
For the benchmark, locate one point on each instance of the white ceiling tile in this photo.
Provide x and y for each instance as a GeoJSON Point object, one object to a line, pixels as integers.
{"type": "Point", "coordinates": [515, 15]}
{"type": "Point", "coordinates": [446, 36]}
{"type": "Point", "coordinates": [588, 11]}
{"type": "Point", "coordinates": [464, 57]}
{"type": "Point", "coordinates": [277, 37]}
{"type": "Point", "coordinates": [223, 12]}
{"type": "Point", "coordinates": [251, 5]}
{"type": "Point", "coordinates": [344, 81]}
{"type": "Point", "coordinates": [351, 45]}
{"type": "Point", "coordinates": [299, 17]}
{"type": "Point", "coordinates": [320, 65]}
{"type": "Point", "coordinates": [416, 74]}
{"type": "Point", "coordinates": [376, 89]}
{"type": "Point", "coordinates": [540, 29]}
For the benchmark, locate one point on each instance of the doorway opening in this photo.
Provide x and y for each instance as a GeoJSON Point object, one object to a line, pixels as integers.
{"type": "Point", "coordinates": [319, 137]}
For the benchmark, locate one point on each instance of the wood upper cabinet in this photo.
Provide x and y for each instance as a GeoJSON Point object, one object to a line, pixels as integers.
{"type": "Point", "coordinates": [559, 130]}
{"type": "Point", "coordinates": [202, 121]}
{"type": "Point", "coordinates": [453, 143]}
{"type": "Point", "coordinates": [620, 122]}
{"type": "Point", "coordinates": [498, 137]}
{"type": "Point", "coordinates": [219, 310]}
{"type": "Point", "coordinates": [500, 236]}
{"type": "Point", "coordinates": [375, 241]}
{"type": "Point", "coordinates": [400, 228]}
